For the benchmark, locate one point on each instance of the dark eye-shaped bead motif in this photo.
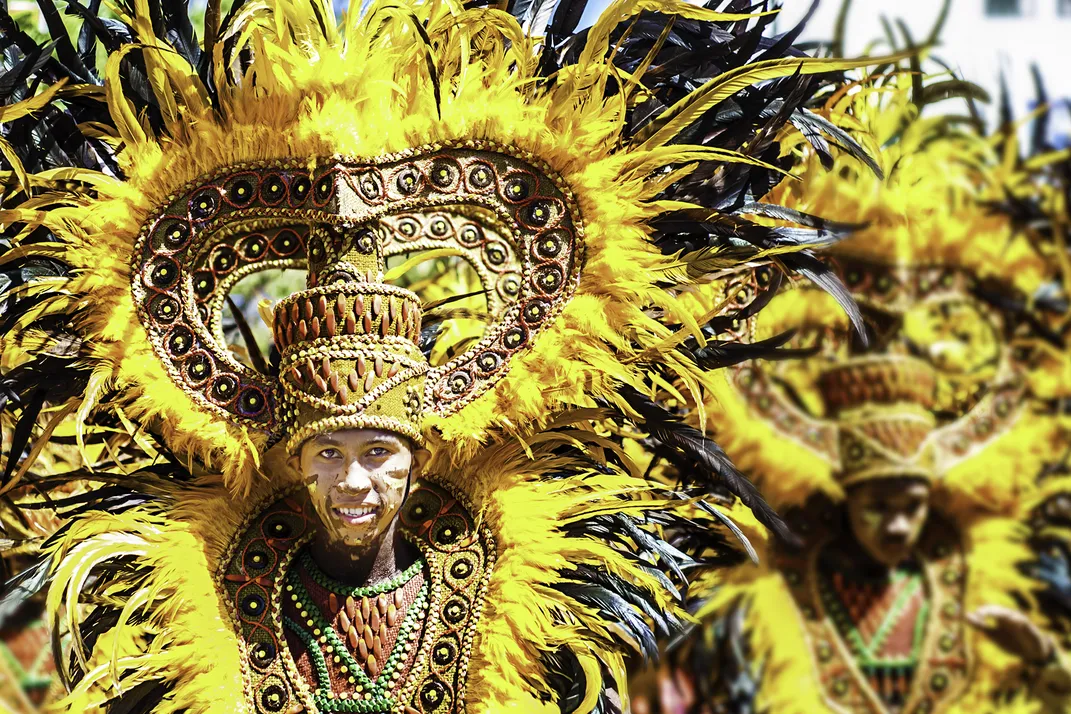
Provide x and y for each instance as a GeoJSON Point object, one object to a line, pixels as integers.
{"type": "Point", "coordinates": [514, 338]}
{"type": "Point", "coordinates": [164, 274]}
{"type": "Point", "coordinates": [241, 192]}
{"type": "Point", "coordinates": [366, 241]}
{"type": "Point", "coordinates": [180, 341]}
{"type": "Point", "coordinates": [273, 189]}
{"type": "Point", "coordinates": [253, 604]}
{"type": "Point", "coordinates": [325, 187]}
{"type": "Point", "coordinates": [538, 213]}
{"type": "Point", "coordinates": [175, 234]}
{"type": "Point", "coordinates": [481, 176]}
{"type": "Point", "coordinates": [408, 181]}
{"type": "Point", "coordinates": [286, 243]}
{"type": "Point", "coordinates": [443, 174]}
{"type": "Point", "coordinates": [517, 189]}
{"type": "Point", "coordinates": [204, 204]}
{"type": "Point", "coordinates": [299, 189]}
{"type": "Point", "coordinates": [263, 654]}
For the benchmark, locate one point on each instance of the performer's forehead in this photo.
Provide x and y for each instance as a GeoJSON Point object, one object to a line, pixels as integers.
{"type": "Point", "coordinates": [371, 436]}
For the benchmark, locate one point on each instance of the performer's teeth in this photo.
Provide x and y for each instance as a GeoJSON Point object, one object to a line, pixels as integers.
{"type": "Point", "coordinates": [356, 512]}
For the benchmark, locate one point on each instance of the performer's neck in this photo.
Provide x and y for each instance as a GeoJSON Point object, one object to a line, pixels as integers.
{"type": "Point", "coordinates": [373, 563]}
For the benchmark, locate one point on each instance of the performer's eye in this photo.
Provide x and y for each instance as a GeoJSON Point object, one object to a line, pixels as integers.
{"type": "Point", "coordinates": [330, 454]}
{"type": "Point", "coordinates": [378, 452]}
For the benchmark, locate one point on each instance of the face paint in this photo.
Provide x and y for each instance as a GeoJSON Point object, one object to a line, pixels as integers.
{"type": "Point", "coordinates": [357, 480]}
{"type": "Point", "coordinates": [887, 517]}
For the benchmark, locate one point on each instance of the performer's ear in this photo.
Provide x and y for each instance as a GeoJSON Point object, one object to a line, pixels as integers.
{"type": "Point", "coordinates": [294, 461]}
{"type": "Point", "coordinates": [421, 457]}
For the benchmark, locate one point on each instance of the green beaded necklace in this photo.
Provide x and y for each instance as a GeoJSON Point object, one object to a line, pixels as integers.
{"type": "Point", "coordinates": [369, 696]}
{"type": "Point", "coordinates": [866, 652]}
{"type": "Point", "coordinates": [331, 585]}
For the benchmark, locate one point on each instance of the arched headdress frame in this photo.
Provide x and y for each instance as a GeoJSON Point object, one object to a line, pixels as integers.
{"type": "Point", "coordinates": [275, 215]}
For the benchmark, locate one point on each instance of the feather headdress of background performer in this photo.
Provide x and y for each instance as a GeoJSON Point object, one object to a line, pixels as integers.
{"type": "Point", "coordinates": [575, 173]}
{"type": "Point", "coordinates": [955, 285]}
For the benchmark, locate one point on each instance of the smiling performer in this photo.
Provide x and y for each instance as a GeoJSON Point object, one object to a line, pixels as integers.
{"type": "Point", "coordinates": [360, 588]}
{"type": "Point", "coordinates": [268, 535]}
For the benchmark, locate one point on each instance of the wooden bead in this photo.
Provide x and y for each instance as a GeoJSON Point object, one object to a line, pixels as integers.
{"type": "Point", "coordinates": [355, 381]}
{"type": "Point", "coordinates": [351, 606]}
{"type": "Point", "coordinates": [369, 378]}
{"type": "Point", "coordinates": [332, 603]}
{"type": "Point", "coordinates": [365, 608]}
{"type": "Point", "coordinates": [355, 640]}
{"type": "Point", "coordinates": [373, 620]}
{"type": "Point", "coordinates": [392, 615]}
{"type": "Point", "coordinates": [398, 601]}
{"type": "Point", "coordinates": [373, 666]}
{"type": "Point", "coordinates": [377, 648]}
{"type": "Point", "coordinates": [381, 603]}
{"type": "Point", "coordinates": [344, 620]}
{"type": "Point", "coordinates": [383, 631]}
{"type": "Point", "coordinates": [362, 648]}
{"type": "Point", "coordinates": [368, 635]}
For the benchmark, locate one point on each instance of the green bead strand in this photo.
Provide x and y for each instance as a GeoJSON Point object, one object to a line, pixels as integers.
{"type": "Point", "coordinates": [331, 585]}
{"type": "Point", "coordinates": [375, 698]}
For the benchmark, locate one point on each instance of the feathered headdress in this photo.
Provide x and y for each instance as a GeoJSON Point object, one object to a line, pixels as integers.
{"type": "Point", "coordinates": [573, 172]}
{"type": "Point", "coordinates": [943, 275]}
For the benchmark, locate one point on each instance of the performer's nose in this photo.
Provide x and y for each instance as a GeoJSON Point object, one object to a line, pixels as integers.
{"type": "Point", "coordinates": [356, 481]}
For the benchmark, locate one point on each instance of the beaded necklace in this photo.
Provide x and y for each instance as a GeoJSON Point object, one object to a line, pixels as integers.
{"type": "Point", "coordinates": [370, 694]}
{"type": "Point", "coordinates": [331, 585]}
{"type": "Point", "coordinates": [868, 654]}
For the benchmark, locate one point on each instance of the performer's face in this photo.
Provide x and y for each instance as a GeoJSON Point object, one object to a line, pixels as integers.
{"type": "Point", "coordinates": [887, 516]}
{"type": "Point", "coordinates": [358, 479]}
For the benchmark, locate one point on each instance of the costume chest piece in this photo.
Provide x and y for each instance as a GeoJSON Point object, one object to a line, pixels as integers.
{"type": "Point", "coordinates": [415, 663]}
{"type": "Point", "coordinates": [940, 665]}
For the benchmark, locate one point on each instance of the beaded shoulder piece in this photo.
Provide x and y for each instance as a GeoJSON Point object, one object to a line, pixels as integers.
{"type": "Point", "coordinates": [458, 554]}
{"type": "Point", "coordinates": [942, 664]}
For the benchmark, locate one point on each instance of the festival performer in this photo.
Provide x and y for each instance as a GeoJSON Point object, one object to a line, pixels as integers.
{"type": "Point", "coordinates": [394, 507]}
{"type": "Point", "coordinates": [904, 463]}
